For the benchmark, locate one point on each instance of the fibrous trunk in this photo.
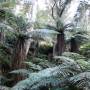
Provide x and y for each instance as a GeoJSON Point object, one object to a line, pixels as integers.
{"type": "Point", "coordinates": [60, 45]}
{"type": "Point", "coordinates": [74, 45]}
{"type": "Point", "coordinates": [20, 54]}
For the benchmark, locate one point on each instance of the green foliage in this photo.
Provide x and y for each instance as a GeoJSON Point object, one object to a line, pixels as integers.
{"type": "Point", "coordinates": [4, 88]}
{"type": "Point", "coordinates": [5, 54]}
{"type": "Point", "coordinates": [7, 3]}
{"type": "Point", "coordinates": [56, 76]}
{"type": "Point", "coordinates": [43, 17]}
{"type": "Point", "coordinates": [2, 80]}
{"type": "Point", "coordinates": [85, 50]}
{"type": "Point", "coordinates": [22, 72]}
{"type": "Point", "coordinates": [84, 65]}
{"type": "Point", "coordinates": [59, 26]}
{"type": "Point", "coordinates": [81, 36]}
{"type": "Point", "coordinates": [38, 25]}
{"type": "Point", "coordinates": [74, 56]}
{"type": "Point", "coordinates": [17, 23]}
{"type": "Point", "coordinates": [70, 69]}
{"type": "Point", "coordinates": [81, 80]}
{"type": "Point", "coordinates": [45, 49]}
{"type": "Point", "coordinates": [80, 59]}
{"type": "Point", "coordinates": [34, 67]}
{"type": "Point", "coordinates": [42, 34]}
{"type": "Point", "coordinates": [69, 73]}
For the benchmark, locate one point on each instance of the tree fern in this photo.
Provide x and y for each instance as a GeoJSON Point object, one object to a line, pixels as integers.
{"type": "Point", "coordinates": [51, 76]}
{"type": "Point", "coordinates": [68, 73]}
{"type": "Point", "coordinates": [81, 80]}
{"type": "Point", "coordinates": [11, 20]}
{"type": "Point", "coordinates": [42, 34]}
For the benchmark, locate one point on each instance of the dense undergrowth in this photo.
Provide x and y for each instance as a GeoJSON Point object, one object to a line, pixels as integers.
{"type": "Point", "coordinates": [49, 53]}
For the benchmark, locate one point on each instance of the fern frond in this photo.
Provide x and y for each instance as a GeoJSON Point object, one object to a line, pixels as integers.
{"type": "Point", "coordinates": [47, 77]}
{"type": "Point", "coordinates": [42, 34]}
{"type": "Point", "coordinates": [6, 27]}
{"type": "Point", "coordinates": [51, 27]}
{"type": "Point", "coordinates": [74, 56]}
{"type": "Point", "coordinates": [64, 59]}
{"type": "Point", "coordinates": [4, 88]}
{"type": "Point", "coordinates": [17, 23]}
{"type": "Point", "coordinates": [81, 80]}
{"type": "Point", "coordinates": [50, 82]}
{"type": "Point", "coordinates": [84, 64]}
{"type": "Point", "coordinates": [22, 72]}
{"type": "Point", "coordinates": [85, 50]}
{"type": "Point", "coordinates": [2, 80]}
{"type": "Point", "coordinates": [82, 38]}
{"type": "Point", "coordinates": [33, 66]}
{"type": "Point", "coordinates": [37, 60]}
{"type": "Point", "coordinates": [79, 59]}
{"type": "Point", "coordinates": [46, 64]}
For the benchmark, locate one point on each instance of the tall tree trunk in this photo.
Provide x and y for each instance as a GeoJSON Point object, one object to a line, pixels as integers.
{"type": "Point", "coordinates": [20, 54]}
{"type": "Point", "coordinates": [74, 45]}
{"type": "Point", "coordinates": [60, 45]}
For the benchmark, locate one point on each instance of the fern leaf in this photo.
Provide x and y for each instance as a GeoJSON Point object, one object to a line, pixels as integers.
{"type": "Point", "coordinates": [74, 56]}
{"type": "Point", "coordinates": [33, 66]}
{"type": "Point", "coordinates": [42, 34]}
{"type": "Point", "coordinates": [47, 77]}
{"type": "Point", "coordinates": [22, 72]}
{"type": "Point", "coordinates": [81, 80]}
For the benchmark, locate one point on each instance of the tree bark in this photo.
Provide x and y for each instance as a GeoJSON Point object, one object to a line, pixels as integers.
{"type": "Point", "coordinates": [20, 54]}
{"type": "Point", "coordinates": [74, 45]}
{"type": "Point", "coordinates": [60, 45]}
